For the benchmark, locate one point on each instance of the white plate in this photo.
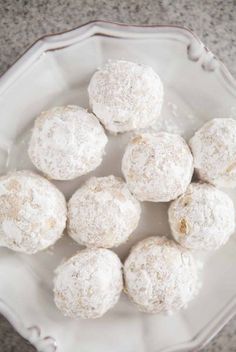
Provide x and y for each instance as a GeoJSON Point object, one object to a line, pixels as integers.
{"type": "Point", "coordinates": [56, 70]}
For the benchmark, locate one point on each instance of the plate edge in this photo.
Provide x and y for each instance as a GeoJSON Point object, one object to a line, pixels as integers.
{"type": "Point", "coordinates": [47, 43]}
{"type": "Point", "coordinates": [31, 334]}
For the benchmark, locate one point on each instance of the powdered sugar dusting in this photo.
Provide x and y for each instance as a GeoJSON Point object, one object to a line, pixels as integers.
{"type": "Point", "coordinates": [202, 218]}
{"type": "Point", "coordinates": [158, 167]}
{"type": "Point", "coordinates": [33, 212]}
{"type": "Point", "coordinates": [126, 95]}
{"type": "Point", "coordinates": [88, 284]}
{"type": "Point", "coordinates": [102, 213]}
{"type": "Point", "coordinates": [67, 142]}
{"type": "Point", "coordinates": [214, 150]}
{"type": "Point", "coordinates": [160, 276]}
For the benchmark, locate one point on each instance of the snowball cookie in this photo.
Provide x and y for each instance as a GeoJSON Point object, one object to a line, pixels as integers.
{"type": "Point", "coordinates": [66, 142]}
{"type": "Point", "coordinates": [102, 213]}
{"type": "Point", "coordinates": [160, 276]}
{"type": "Point", "coordinates": [33, 212]}
{"type": "Point", "coordinates": [202, 218]}
{"type": "Point", "coordinates": [88, 284]}
{"type": "Point", "coordinates": [214, 152]}
{"type": "Point", "coordinates": [158, 167]}
{"type": "Point", "coordinates": [125, 96]}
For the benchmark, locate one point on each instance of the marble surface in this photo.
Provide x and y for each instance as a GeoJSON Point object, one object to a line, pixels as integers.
{"type": "Point", "coordinates": [22, 22]}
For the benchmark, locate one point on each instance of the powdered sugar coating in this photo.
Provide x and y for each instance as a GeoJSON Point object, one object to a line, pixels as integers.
{"type": "Point", "coordinates": [157, 167]}
{"type": "Point", "coordinates": [202, 218]}
{"type": "Point", "coordinates": [102, 213]}
{"type": "Point", "coordinates": [88, 284]}
{"type": "Point", "coordinates": [125, 96]}
{"type": "Point", "coordinates": [66, 142]}
{"type": "Point", "coordinates": [160, 276]}
{"type": "Point", "coordinates": [214, 151]}
{"type": "Point", "coordinates": [32, 212]}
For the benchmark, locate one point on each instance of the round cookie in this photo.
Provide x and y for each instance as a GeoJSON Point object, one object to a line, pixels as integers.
{"type": "Point", "coordinates": [33, 212]}
{"type": "Point", "coordinates": [102, 213]}
{"type": "Point", "coordinates": [160, 275]}
{"type": "Point", "coordinates": [158, 167]}
{"type": "Point", "coordinates": [126, 96]}
{"type": "Point", "coordinates": [88, 284]}
{"type": "Point", "coordinates": [66, 142]}
{"type": "Point", "coordinates": [214, 152]}
{"type": "Point", "coordinates": [202, 218]}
